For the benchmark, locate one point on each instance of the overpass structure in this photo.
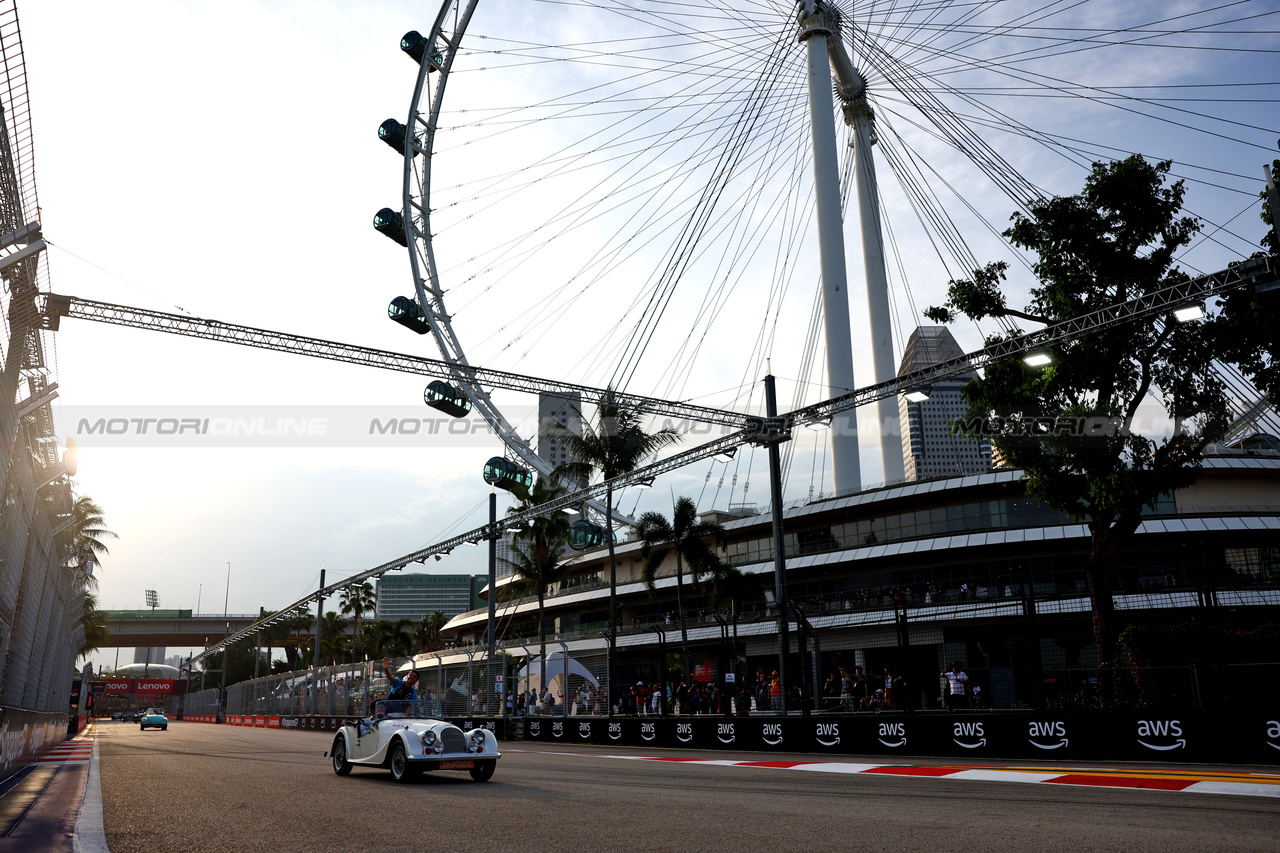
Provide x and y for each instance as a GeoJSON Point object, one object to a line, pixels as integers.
{"type": "Point", "coordinates": [174, 628]}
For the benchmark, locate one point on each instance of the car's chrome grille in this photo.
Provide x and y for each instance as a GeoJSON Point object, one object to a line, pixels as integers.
{"type": "Point", "coordinates": [453, 740]}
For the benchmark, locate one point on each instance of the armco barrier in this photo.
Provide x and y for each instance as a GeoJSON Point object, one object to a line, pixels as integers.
{"type": "Point", "coordinates": [1187, 737]}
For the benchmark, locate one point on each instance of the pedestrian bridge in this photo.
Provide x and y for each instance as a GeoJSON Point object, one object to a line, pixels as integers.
{"type": "Point", "coordinates": [173, 628]}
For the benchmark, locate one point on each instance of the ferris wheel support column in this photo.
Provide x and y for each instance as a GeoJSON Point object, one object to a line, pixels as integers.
{"type": "Point", "coordinates": [877, 289]}
{"type": "Point", "coordinates": [816, 23]}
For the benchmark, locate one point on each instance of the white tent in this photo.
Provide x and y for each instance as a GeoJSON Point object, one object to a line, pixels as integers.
{"type": "Point", "coordinates": [555, 671]}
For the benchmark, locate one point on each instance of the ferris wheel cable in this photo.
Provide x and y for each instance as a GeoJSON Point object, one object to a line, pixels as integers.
{"type": "Point", "coordinates": [1004, 126]}
{"type": "Point", "coordinates": [727, 162]}
{"type": "Point", "coordinates": [723, 169]}
{"type": "Point", "coordinates": [1119, 97]}
{"type": "Point", "coordinates": [620, 156]}
{"type": "Point", "coordinates": [1084, 157]}
{"type": "Point", "coordinates": [932, 216]}
{"type": "Point", "coordinates": [1248, 207]}
{"type": "Point", "coordinates": [1000, 171]}
{"type": "Point", "coordinates": [675, 360]}
{"type": "Point", "coordinates": [1092, 42]}
{"type": "Point", "coordinates": [717, 298]}
{"type": "Point", "coordinates": [1052, 82]}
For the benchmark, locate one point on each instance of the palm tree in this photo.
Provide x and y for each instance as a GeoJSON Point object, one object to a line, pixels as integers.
{"type": "Point", "coordinates": [402, 637]}
{"type": "Point", "coordinates": [391, 639]}
{"type": "Point", "coordinates": [334, 643]}
{"type": "Point", "coordinates": [426, 632]}
{"type": "Point", "coordinates": [299, 622]}
{"type": "Point", "coordinates": [614, 446]}
{"type": "Point", "coordinates": [357, 600]}
{"type": "Point", "coordinates": [84, 536]}
{"type": "Point", "coordinates": [537, 549]}
{"type": "Point", "coordinates": [82, 540]}
{"type": "Point", "coordinates": [687, 537]}
{"type": "Point", "coordinates": [94, 623]}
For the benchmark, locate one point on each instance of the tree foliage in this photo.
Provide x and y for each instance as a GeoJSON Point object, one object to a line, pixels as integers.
{"type": "Point", "coordinates": [537, 550]}
{"type": "Point", "coordinates": [687, 538]}
{"type": "Point", "coordinates": [1114, 241]}
{"type": "Point", "coordinates": [614, 445]}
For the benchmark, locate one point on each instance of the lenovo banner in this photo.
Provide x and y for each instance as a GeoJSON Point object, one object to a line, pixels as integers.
{"type": "Point", "coordinates": [140, 686]}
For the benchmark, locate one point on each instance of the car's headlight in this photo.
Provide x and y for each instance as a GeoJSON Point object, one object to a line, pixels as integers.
{"type": "Point", "coordinates": [430, 742]}
{"type": "Point", "coordinates": [477, 741]}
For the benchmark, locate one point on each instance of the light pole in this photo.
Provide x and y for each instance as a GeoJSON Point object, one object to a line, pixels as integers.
{"type": "Point", "coordinates": [226, 648]}
{"type": "Point", "coordinates": [153, 601]}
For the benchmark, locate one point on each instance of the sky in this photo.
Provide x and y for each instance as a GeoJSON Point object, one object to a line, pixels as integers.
{"type": "Point", "coordinates": [221, 159]}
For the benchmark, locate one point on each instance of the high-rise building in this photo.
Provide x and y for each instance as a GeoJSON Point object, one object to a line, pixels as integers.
{"type": "Point", "coordinates": [157, 655]}
{"type": "Point", "coordinates": [412, 596]}
{"type": "Point", "coordinates": [565, 411]}
{"type": "Point", "coordinates": [929, 449]}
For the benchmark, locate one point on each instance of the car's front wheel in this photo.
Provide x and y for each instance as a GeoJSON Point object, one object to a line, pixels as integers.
{"type": "Point", "coordinates": [339, 754]}
{"type": "Point", "coordinates": [483, 771]}
{"type": "Point", "coordinates": [399, 762]}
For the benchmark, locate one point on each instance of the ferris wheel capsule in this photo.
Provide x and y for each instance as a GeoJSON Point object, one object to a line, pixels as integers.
{"type": "Point", "coordinates": [393, 133]}
{"type": "Point", "coordinates": [415, 45]}
{"type": "Point", "coordinates": [391, 224]}
{"type": "Point", "coordinates": [407, 313]}
{"type": "Point", "coordinates": [443, 396]}
{"type": "Point", "coordinates": [583, 535]}
{"type": "Point", "coordinates": [506, 474]}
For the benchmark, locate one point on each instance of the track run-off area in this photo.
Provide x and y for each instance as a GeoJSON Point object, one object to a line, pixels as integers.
{"type": "Point", "coordinates": [199, 786]}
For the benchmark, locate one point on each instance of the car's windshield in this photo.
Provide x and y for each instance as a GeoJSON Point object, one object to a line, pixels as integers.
{"type": "Point", "coordinates": [420, 709]}
{"type": "Point", "coordinates": [156, 712]}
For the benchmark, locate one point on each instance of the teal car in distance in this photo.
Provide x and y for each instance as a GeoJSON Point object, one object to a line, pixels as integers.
{"type": "Point", "coordinates": [154, 718]}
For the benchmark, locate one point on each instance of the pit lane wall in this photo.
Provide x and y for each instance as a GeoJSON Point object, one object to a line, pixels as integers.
{"type": "Point", "coordinates": [1131, 736]}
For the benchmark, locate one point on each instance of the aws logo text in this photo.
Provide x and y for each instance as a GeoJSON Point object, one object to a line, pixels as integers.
{"type": "Point", "coordinates": [684, 732]}
{"type": "Point", "coordinates": [724, 732]}
{"type": "Point", "coordinates": [1152, 729]}
{"type": "Point", "coordinates": [1047, 731]}
{"type": "Point", "coordinates": [1273, 733]}
{"type": "Point", "coordinates": [647, 731]}
{"type": "Point", "coordinates": [972, 733]}
{"type": "Point", "coordinates": [897, 732]}
{"type": "Point", "coordinates": [771, 733]}
{"type": "Point", "coordinates": [827, 734]}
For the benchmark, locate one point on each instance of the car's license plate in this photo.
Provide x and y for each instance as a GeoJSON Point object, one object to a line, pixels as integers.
{"type": "Point", "coordinates": [457, 765]}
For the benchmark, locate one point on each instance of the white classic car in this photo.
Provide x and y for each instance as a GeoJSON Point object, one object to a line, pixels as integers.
{"type": "Point", "coordinates": [409, 738]}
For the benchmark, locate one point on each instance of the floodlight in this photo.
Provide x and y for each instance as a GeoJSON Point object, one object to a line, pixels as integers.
{"type": "Point", "coordinates": [1187, 313]}
{"type": "Point", "coordinates": [1037, 359]}
{"type": "Point", "coordinates": [918, 395]}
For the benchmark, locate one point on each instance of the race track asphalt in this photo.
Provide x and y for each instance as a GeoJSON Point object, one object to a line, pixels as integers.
{"type": "Point", "coordinates": [204, 787]}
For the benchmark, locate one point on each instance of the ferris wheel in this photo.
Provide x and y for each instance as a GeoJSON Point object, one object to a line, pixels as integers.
{"type": "Point", "coordinates": [622, 192]}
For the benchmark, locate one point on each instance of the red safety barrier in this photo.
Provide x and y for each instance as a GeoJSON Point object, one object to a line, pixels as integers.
{"type": "Point", "coordinates": [273, 722]}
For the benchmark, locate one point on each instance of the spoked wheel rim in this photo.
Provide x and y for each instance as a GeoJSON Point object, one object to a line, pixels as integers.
{"type": "Point", "coordinates": [339, 755]}
{"type": "Point", "coordinates": [399, 763]}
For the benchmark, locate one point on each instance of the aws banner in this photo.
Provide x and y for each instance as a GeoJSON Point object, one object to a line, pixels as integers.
{"type": "Point", "coordinates": [1151, 737]}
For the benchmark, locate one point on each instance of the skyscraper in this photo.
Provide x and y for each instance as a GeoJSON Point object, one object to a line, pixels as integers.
{"type": "Point", "coordinates": [929, 449]}
{"type": "Point", "coordinates": [412, 596]}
